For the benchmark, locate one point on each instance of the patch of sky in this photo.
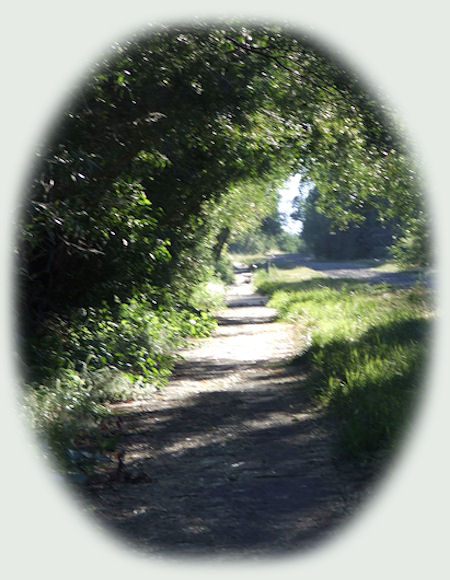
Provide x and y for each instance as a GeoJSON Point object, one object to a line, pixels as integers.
{"type": "Point", "coordinates": [292, 188]}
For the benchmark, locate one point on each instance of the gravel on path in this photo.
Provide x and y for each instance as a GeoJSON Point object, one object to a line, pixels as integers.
{"type": "Point", "coordinates": [354, 271]}
{"type": "Point", "coordinates": [229, 459]}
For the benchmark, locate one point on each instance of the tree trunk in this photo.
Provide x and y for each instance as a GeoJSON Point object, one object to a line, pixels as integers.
{"type": "Point", "coordinates": [222, 238]}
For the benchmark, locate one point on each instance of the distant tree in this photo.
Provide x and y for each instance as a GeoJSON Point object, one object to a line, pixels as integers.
{"type": "Point", "coordinates": [367, 239]}
{"type": "Point", "coordinates": [268, 235]}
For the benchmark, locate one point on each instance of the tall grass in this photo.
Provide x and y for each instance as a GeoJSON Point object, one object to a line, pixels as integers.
{"type": "Point", "coordinates": [366, 348]}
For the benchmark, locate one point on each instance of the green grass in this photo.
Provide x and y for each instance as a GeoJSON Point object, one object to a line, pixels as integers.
{"type": "Point", "coordinates": [280, 278]}
{"type": "Point", "coordinates": [393, 267]}
{"type": "Point", "coordinates": [387, 267]}
{"type": "Point", "coordinates": [366, 349]}
{"type": "Point", "coordinates": [249, 259]}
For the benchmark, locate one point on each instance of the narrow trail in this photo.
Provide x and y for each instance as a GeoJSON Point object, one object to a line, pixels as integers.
{"type": "Point", "coordinates": [354, 271]}
{"type": "Point", "coordinates": [228, 459]}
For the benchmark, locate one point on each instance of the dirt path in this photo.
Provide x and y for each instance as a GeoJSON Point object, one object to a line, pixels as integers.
{"type": "Point", "coordinates": [228, 459]}
{"type": "Point", "coordinates": [354, 271]}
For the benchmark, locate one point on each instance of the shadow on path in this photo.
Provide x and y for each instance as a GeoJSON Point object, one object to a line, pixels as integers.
{"type": "Point", "coordinates": [240, 472]}
{"type": "Point", "coordinates": [235, 461]}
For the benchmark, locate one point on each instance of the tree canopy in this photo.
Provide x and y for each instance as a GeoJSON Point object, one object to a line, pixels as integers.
{"type": "Point", "coordinates": [183, 134]}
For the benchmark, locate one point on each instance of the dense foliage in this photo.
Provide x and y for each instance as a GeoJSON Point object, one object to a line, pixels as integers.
{"type": "Point", "coordinates": [178, 140]}
{"type": "Point", "coordinates": [128, 188]}
{"type": "Point", "coordinates": [368, 239]}
{"type": "Point", "coordinates": [268, 235]}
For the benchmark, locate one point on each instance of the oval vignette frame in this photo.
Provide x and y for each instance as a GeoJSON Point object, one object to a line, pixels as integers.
{"type": "Point", "coordinates": [393, 487]}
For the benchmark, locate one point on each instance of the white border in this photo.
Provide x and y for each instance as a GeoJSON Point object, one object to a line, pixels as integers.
{"type": "Point", "coordinates": [401, 49]}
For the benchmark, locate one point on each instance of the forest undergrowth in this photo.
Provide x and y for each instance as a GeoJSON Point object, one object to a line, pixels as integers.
{"type": "Point", "coordinates": [83, 362]}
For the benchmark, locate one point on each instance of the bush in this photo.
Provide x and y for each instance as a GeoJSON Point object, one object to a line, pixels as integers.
{"type": "Point", "coordinates": [411, 250]}
{"type": "Point", "coordinates": [290, 243]}
{"type": "Point", "coordinates": [76, 366]}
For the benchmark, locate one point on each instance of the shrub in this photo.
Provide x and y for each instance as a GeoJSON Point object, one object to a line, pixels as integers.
{"type": "Point", "coordinates": [77, 365]}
